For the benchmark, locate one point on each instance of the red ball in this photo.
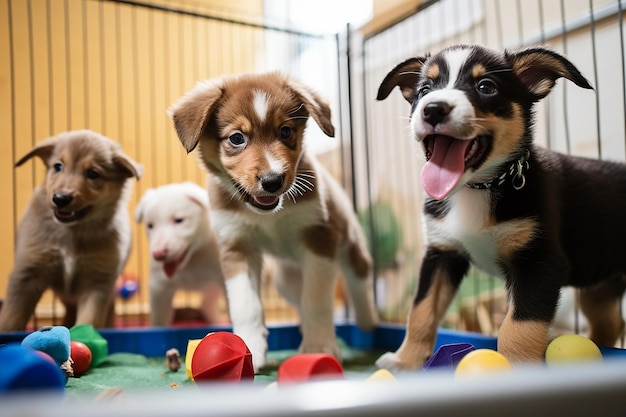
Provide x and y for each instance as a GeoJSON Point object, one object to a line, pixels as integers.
{"type": "Point", "coordinates": [81, 355]}
{"type": "Point", "coordinates": [222, 356]}
{"type": "Point", "coordinates": [309, 366]}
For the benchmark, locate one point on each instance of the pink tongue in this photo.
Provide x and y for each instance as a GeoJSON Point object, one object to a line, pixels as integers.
{"type": "Point", "coordinates": [446, 166]}
{"type": "Point", "coordinates": [266, 201]}
{"type": "Point", "coordinates": [170, 268]}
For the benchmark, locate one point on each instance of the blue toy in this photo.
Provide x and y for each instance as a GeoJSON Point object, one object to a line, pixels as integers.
{"type": "Point", "coordinates": [25, 369]}
{"type": "Point", "coordinates": [53, 340]}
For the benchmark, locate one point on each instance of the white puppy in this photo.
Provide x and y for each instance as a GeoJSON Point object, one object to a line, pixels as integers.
{"type": "Point", "coordinates": [183, 249]}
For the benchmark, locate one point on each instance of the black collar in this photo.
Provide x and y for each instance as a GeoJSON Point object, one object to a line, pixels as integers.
{"type": "Point", "coordinates": [515, 172]}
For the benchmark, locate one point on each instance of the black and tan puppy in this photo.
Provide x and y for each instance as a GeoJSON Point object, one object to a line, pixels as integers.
{"type": "Point", "coordinates": [539, 219]}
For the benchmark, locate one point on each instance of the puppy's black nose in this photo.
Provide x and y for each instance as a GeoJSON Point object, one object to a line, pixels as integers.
{"type": "Point", "coordinates": [271, 182]}
{"type": "Point", "coordinates": [436, 112]}
{"type": "Point", "coordinates": [61, 200]}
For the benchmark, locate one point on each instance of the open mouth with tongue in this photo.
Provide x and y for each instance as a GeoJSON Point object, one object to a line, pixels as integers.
{"type": "Point", "coordinates": [68, 216]}
{"type": "Point", "coordinates": [171, 267]}
{"type": "Point", "coordinates": [266, 202]}
{"type": "Point", "coordinates": [447, 160]}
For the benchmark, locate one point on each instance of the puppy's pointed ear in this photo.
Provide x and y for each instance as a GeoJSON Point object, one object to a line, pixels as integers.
{"type": "Point", "coordinates": [43, 150]}
{"type": "Point", "coordinates": [317, 107]}
{"type": "Point", "coordinates": [539, 68]}
{"type": "Point", "coordinates": [405, 75]}
{"type": "Point", "coordinates": [129, 166]}
{"type": "Point", "coordinates": [192, 112]}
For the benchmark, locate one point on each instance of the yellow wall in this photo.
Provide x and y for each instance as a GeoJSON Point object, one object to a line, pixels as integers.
{"type": "Point", "coordinates": [113, 68]}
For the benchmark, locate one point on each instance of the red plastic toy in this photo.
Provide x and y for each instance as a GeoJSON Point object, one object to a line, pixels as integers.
{"type": "Point", "coordinates": [309, 366]}
{"type": "Point", "coordinates": [81, 355]}
{"type": "Point", "coordinates": [222, 356]}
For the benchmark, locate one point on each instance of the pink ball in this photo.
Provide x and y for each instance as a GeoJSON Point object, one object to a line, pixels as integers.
{"type": "Point", "coordinates": [81, 355]}
{"type": "Point", "coordinates": [222, 356]}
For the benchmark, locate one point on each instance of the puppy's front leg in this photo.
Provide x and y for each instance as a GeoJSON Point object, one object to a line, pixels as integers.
{"type": "Point", "coordinates": [440, 275]}
{"type": "Point", "coordinates": [533, 297]}
{"type": "Point", "coordinates": [96, 307]}
{"type": "Point", "coordinates": [242, 274]}
{"type": "Point", "coordinates": [317, 305]}
{"type": "Point", "coordinates": [161, 298]}
{"type": "Point", "coordinates": [23, 293]}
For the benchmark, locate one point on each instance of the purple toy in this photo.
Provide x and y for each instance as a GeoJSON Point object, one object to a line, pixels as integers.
{"type": "Point", "coordinates": [448, 356]}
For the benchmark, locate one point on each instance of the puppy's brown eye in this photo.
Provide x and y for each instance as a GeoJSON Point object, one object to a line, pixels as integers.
{"type": "Point", "coordinates": [92, 174]}
{"type": "Point", "coordinates": [178, 220]}
{"type": "Point", "coordinates": [58, 167]}
{"type": "Point", "coordinates": [285, 132]}
{"type": "Point", "coordinates": [486, 87]}
{"type": "Point", "coordinates": [149, 225]}
{"type": "Point", "coordinates": [237, 139]}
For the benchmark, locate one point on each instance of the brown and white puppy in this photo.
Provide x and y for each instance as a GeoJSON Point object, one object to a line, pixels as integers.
{"type": "Point", "coordinates": [269, 196]}
{"type": "Point", "coordinates": [183, 249]}
{"type": "Point", "coordinates": [539, 219]}
{"type": "Point", "coordinates": [75, 235]}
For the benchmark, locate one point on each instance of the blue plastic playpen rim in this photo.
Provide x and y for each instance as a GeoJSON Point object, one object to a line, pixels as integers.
{"type": "Point", "coordinates": [386, 337]}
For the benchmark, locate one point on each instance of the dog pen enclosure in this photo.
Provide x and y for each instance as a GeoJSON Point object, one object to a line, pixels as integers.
{"type": "Point", "coordinates": [115, 67]}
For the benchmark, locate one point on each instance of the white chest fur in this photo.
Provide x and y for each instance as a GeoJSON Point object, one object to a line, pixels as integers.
{"type": "Point", "coordinates": [466, 227]}
{"type": "Point", "coordinates": [277, 234]}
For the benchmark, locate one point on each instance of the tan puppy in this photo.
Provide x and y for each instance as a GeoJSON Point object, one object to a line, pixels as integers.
{"type": "Point", "coordinates": [268, 195]}
{"type": "Point", "coordinates": [183, 249]}
{"type": "Point", "coordinates": [75, 234]}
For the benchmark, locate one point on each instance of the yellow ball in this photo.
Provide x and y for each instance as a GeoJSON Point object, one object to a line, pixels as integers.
{"type": "Point", "coordinates": [481, 362]}
{"type": "Point", "coordinates": [572, 348]}
{"type": "Point", "coordinates": [381, 375]}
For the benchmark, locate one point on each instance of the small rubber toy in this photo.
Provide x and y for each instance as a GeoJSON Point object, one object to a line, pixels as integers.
{"type": "Point", "coordinates": [27, 369]}
{"type": "Point", "coordinates": [81, 356]}
{"type": "Point", "coordinates": [482, 362]}
{"type": "Point", "coordinates": [97, 344]}
{"type": "Point", "coordinates": [191, 348]}
{"type": "Point", "coordinates": [569, 348]}
{"type": "Point", "coordinates": [172, 360]}
{"type": "Point", "coordinates": [222, 356]}
{"type": "Point", "coordinates": [448, 356]}
{"type": "Point", "coordinates": [309, 366]}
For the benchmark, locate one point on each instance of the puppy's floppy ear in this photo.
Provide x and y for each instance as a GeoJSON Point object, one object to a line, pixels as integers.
{"type": "Point", "coordinates": [539, 68]}
{"type": "Point", "coordinates": [192, 112]}
{"type": "Point", "coordinates": [405, 75]}
{"type": "Point", "coordinates": [317, 107]}
{"type": "Point", "coordinates": [141, 206]}
{"type": "Point", "coordinates": [43, 150]}
{"type": "Point", "coordinates": [197, 194]}
{"type": "Point", "coordinates": [127, 164]}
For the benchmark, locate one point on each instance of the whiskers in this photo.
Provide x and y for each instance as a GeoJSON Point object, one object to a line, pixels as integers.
{"type": "Point", "coordinates": [303, 183]}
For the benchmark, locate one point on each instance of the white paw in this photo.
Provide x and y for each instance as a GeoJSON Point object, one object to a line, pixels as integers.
{"type": "Point", "coordinates": [390, 361]}
{"type": "Point", "coordinates": [257, 343]}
